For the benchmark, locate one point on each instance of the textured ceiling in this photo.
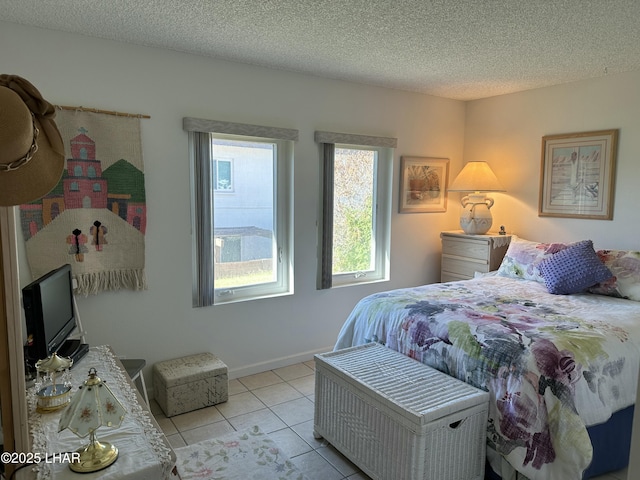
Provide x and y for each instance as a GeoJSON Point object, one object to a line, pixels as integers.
{"type": "Point", "coordinates": [461, 49]}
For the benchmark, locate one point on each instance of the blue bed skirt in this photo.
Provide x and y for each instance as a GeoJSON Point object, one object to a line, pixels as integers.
{"type": "Point", "coordinates": [611, 442]}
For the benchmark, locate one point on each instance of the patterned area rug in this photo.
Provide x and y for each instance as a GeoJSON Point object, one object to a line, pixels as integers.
{"type": "Point", "coordinates": [236, 456]}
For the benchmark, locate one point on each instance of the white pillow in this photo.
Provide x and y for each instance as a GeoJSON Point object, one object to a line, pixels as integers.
{"type": "Point", "coordinates": [524, 256]}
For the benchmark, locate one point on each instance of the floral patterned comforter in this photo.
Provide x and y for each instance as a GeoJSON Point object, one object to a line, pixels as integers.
{"type": "Point", "coordinates": [553, 364]}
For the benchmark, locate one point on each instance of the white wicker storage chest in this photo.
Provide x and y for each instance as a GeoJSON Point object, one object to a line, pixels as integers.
{"type": "Point", "coordinates": [398, 419]}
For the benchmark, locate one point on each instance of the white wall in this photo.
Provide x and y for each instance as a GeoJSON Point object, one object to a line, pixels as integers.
{"type": "Point", "coordinates": [507, 132]}
{"type": "Point", "coordinates": [160, 323]}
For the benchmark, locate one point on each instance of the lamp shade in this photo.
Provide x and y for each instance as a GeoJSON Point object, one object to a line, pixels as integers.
{"type": "Point", "coordinates": [93, 406]}
{"type": "Point", "coordinates": [476, 177]}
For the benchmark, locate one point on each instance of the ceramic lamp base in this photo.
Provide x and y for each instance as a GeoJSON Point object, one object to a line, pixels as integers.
{"type": "Point", "coordinates": [476, 218]}
{"type": "Point", "coordinates": [475, 226]}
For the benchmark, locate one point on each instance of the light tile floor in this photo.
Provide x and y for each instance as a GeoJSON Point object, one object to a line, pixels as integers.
{"type": "Point", "coordinates": [280, 402]}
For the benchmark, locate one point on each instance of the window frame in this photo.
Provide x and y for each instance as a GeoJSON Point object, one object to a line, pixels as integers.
{"type": "Point", "coordinates": [381, 234]}
{"type": "Point", "coordinates": [201, 133]}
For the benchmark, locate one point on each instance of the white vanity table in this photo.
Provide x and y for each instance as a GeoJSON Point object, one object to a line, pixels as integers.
{"type": "Point", "coordinates": [144, 451]}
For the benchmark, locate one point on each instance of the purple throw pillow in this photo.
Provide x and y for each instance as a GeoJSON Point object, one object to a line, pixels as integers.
{"type": "Point", "coordinates": [574, 269]}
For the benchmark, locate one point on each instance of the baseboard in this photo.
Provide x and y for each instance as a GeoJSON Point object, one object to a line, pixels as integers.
{"type": "Point", "coordinates": [275, 363]}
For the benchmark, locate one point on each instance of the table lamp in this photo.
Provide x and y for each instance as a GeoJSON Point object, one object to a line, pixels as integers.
{"type": "Point", "coordinates": [476, 177]}
{"type": "Point", "coordinates": [93, 406]}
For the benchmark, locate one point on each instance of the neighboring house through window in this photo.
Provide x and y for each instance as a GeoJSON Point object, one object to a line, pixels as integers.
{"type": "Point", "coordinates": [222, 176]}
{"type": "Point", "coordinates": [242, 210]}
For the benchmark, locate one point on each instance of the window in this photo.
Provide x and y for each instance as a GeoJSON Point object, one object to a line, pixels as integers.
{"type": "Point", "coordinates": [355, 228]}
{"type": "Point", "coordinates": [242, 211]}
{"type": "Point", "coordinates": [222, 175]}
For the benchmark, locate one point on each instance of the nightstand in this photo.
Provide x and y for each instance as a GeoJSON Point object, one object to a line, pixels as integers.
{"type": "Point", "coordinates": [463, 255]}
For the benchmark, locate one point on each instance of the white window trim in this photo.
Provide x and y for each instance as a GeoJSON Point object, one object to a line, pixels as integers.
{"type": "Point", "coordinates": [382, 210]}
{"type": "Point", "coordinates": [201, 131]}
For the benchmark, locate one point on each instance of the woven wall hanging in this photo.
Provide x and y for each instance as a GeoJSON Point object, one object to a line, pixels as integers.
{"type": "Point", "coordinates": [95, 218]}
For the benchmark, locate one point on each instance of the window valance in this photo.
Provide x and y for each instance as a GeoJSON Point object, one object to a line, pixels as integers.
{"type": "Point", "coordinates": [351, 139]}
{"type": "Point", "coordinates": [216, 126]}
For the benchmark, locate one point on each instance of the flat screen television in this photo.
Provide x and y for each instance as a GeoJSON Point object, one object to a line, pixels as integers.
{"type": "Point", "coordinates": [49, 313]}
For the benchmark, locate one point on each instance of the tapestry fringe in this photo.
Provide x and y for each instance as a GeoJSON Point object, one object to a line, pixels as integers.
{"type": "Point", "coordinates": [93, 283]}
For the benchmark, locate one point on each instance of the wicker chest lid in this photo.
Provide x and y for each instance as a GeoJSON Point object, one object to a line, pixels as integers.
{"type": "Point", "coordinates": [184, 370]}
{"type": "Point", "coordinates": [405, 385]}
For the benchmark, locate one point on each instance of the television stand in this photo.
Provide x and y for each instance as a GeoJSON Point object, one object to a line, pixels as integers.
{"type": "Point", "coordinates": [74, 349]}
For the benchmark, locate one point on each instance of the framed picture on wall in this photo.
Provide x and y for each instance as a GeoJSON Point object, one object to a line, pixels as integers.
{"type": "Point", "coordinates": [577, 175]}
{"type": "Point", "coordinates": [423, 184]}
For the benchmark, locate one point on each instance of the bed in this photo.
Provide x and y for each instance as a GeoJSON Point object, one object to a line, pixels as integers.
{"type": "Point", "coordinates": [561, 368]}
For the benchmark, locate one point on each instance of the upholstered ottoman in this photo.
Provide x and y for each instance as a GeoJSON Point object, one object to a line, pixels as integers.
{"type": "Point", "coordinates": [399, 419]}
{"type": "Point", "coordinates": [189, 383]}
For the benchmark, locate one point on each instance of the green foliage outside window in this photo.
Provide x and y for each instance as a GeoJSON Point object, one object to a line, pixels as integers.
{"type": "Point", "coordinates": [353, 252]}
{"type": "Point", "coordinates": [353, 212]}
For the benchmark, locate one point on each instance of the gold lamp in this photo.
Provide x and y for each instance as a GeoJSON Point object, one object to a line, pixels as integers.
{"type": "Point", "coordinates": [93, 406]}
{"type": "Point", "coordinates": [476, 177]}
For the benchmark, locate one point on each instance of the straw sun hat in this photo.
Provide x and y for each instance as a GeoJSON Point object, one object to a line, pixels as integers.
{"type": "Point", "coordinates": [31, 148]}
